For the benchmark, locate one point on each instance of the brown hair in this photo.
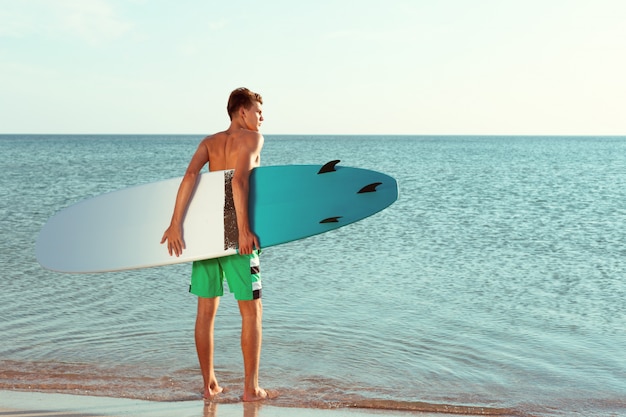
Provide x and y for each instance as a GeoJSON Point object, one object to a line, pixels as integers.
{"type": "Point", "coordinates": [241, 97]}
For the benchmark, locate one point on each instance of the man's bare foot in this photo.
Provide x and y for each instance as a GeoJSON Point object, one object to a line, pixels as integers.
{"type": "Point", "coordinates": [260, 395]}
{"type": "Point", "coordinates": [211, 391]}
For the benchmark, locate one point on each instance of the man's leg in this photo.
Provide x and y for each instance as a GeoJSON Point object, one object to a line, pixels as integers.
{"type": "Point", "coordinates": [251, 335]}
{"type": "Point", "coordinates": [205, 320]}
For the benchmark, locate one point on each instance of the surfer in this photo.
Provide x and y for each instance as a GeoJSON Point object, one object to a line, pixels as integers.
{"type": "Point", "coordinates": [239, 148]}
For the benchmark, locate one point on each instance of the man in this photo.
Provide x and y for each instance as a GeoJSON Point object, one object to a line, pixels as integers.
{"type": "Point", "coordinates": [239, 148]}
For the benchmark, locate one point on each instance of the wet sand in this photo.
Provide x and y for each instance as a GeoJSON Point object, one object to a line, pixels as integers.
{"type": "Point", "coordinates": [35, 404]}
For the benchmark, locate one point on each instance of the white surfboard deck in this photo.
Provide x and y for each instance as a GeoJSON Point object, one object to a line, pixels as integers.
{"type": "Point", "coordinates": [128, 225]}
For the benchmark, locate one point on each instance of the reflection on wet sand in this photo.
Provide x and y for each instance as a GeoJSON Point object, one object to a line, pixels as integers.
{"type": "Point", "coordinates": [250, 409]}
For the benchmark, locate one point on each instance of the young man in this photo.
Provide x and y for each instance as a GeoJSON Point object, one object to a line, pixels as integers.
{"type": "Point", "coordinates": [238, 148]}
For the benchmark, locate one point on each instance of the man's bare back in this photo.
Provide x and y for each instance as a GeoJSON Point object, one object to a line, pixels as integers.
{"type": "Point", "coordinates": [225, 148]}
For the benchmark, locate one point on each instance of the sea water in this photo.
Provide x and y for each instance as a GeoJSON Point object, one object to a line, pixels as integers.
{"type": "Point", "coordinates": [496, 284]}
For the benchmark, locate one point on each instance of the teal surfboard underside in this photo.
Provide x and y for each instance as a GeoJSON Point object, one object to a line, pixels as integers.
{"type": "Point", "coordinates": [122, 230]}
{"type": "Point", "coordinates": [292, 202]}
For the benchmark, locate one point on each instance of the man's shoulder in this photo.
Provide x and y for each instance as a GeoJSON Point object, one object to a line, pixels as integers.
{"type": "Point", "coordinates": [251, 137]}
{"type": "Point", "coordinates": [251, 134]}
{"type": "Point", "coordinates": [215, 137]}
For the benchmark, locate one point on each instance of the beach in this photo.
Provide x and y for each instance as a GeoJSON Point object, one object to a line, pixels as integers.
{"type": "Point", "coordinates": [36, 404]}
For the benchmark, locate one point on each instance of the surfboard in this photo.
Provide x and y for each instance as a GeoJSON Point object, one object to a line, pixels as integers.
{"type": "Point", "coordinates": [122, 229]}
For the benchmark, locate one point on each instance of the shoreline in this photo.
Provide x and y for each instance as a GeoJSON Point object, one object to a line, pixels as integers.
{"type": "Point", "coordinates": [40, 404]}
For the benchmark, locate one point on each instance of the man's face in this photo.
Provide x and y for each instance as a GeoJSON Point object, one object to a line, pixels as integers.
{"type": "Point", "coordinates": [253, 117]}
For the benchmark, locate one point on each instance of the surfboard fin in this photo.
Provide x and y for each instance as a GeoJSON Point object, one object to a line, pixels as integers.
{"type": "Point", "coordinates": [370, 188]}
{"type": "Point", "coordinates": [329, 166]}
{"type": "Point", "coordinates": [331, 220]}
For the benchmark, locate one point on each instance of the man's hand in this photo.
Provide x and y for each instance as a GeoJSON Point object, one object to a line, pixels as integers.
{"type": "Point", "coordinates": [248, 241]}
{"type": "Point", "coordinates": [175, 242]}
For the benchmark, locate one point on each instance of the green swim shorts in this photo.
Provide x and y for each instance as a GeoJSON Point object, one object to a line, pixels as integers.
{"type": "Point", "coordinates": [241, 273]}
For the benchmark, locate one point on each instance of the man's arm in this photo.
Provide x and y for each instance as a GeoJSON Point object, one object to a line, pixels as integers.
{"type": "Point", "coordinates": [248, 158]}
{"type": "Point", "coordinates": [174, 233]}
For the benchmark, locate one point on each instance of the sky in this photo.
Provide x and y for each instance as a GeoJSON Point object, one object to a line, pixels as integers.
{"type": "Point", "coordinates": [363, 67]}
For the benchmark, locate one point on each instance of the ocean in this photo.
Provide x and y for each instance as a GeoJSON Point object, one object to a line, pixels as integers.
{"type": "Point", "coordinates": [495, 285]}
